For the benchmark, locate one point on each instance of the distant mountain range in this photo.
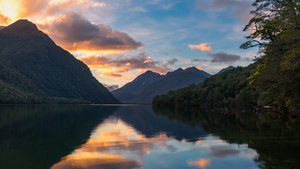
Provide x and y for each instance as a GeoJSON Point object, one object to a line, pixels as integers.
{"type": "Point", "coordinates": [149, 84]}
{"type": "Point", "coordinates": [33, 69]}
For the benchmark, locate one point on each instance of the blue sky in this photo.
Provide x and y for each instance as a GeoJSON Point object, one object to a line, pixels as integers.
{"type": "Point", "coordinates": [119, 39]}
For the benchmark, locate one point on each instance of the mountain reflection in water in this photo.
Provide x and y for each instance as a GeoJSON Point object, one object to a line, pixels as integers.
{"type": "Point", "coordinates": [135, 137]}
{"type": "Point", "coordinates": [126, 137]}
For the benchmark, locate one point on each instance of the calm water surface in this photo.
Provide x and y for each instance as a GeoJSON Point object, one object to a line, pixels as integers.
{"type": "Point", "coordinates": [133, 136]}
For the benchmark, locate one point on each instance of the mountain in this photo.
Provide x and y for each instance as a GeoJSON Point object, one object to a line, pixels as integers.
{"type": "Point", "coordinates": [111, 87]}
{"type": "Point", "coordinates": [221, 92]}
{"type": "Point", "coordinates": [131, 90]}
{"type": "Point", "coordinates": [225, 69]}
{"type": "Point", "coordinates": [149, 84]}
{"type": "Point", "coordinates": [33, 69]}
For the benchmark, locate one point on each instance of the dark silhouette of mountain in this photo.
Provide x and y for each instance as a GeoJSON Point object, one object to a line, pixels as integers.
{"type": "Point", "coordinates": [132, 89]}
{"type": "Point", "coordinates": [146, 86]}
{"type": "Point", "coordinates": [225, 69]}
{"type": "Point", "coordinates": [151, 124]}
{"type": "Point", "coordinates": [33, 69]}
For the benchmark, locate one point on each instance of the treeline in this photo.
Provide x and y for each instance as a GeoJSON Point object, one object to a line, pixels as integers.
{"type": "Point", "coordinates": [230, 89]}
{"type": "Point", "coordinates": [272, 81]}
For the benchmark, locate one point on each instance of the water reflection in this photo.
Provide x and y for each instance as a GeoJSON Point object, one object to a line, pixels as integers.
{"type": "Point", "coordinates": [126, 137]}
{"type": "Point", "coordinates": [201, 163]}
{"type": "Point", "coordinates": [118, 143]}
{"type": "Point", "coordinates": [276, 141]}
{"type": "Point", "coordinates": [37, 136]}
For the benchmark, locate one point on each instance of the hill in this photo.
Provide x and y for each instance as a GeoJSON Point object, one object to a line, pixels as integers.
{"type": "Point", "coordinates": [227, 89]}
{"type": "Point", "coordinates": [146, 86]}
{"type": "Point", "coordinates": [33, 69]}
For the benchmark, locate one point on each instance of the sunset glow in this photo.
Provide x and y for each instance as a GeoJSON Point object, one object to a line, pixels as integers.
{"type": "Point", "coordinates": [9, 8]}
{"type": "Point", "coordinates": [175, 38]}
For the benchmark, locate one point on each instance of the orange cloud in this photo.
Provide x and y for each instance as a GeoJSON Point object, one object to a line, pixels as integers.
{"type": "Point", "coordinates": [200, 68]}
{"type": "Point", "coordinates": [138, 62]}
{"type": "Point", "coordinates": [95, 153]}
{"type": "Point", "coordinates": [201, 163]}
{"type": "Point", "coordinates": [31, 8]}
{"type": "Point", "coordinates": [68, 29]}
{"type": "Point", "coordinates": [4, 20]}
{"type": "Point", "coordinates": [41, 9]}
{"type": "Point", "coordinates": [202, 47]}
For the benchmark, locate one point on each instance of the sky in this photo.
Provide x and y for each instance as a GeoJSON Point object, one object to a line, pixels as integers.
{"type": "Point", "coordinates": [120, 39]}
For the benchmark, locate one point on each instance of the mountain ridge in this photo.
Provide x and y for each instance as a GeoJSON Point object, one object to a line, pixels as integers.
{"type": "Point", "coordinates": [35, 70]}
{"type": "Point", "coordinates": [159, 84]}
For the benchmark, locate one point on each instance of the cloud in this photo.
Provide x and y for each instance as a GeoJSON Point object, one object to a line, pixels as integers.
{"type": "Point", "coordinates": [4, 19]}
{"type": "Point", "coordinates": [202, 47]}
{"type": "Point", "coordinates": [137, 62]}
{"type": "Point", "coordinates": [223, 57]}
{"type": "Point", "coordinates": [200, 67]}
{"type": "Point", "coordinates": [66, 5]}
{"type": "Point", "coordinates": [73, 32]}
{"type": "Point", "coordinates": [42, 9]}
{"type": "Point", "coordinates": [140, 9]}
{"type": "Point", "coordinates": [178, 50]}
{"type": "Point", "coordinates": [30, 8]}
{"type": "Point", "coordinates": [172, 61]}
{"type": "Point", "coordinates": [110, 74]}
{"type": "Point", "coordinates": [199, 60]}
{"type": "Point", "coordinates": [201, 163]}
{"type": "Point", "coordinates": [240, 9]}
{"type": "Point", "coordinates": [223, 152]}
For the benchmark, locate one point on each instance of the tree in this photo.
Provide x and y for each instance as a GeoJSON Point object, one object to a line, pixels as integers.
{"type": "Point", "coordinates": [276, 31]}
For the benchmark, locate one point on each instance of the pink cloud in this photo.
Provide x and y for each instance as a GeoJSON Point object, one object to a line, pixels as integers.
{"type": "Point", "coordinates": [202, 47]}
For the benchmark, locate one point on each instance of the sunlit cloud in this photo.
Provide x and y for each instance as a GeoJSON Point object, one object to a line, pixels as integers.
{"type": "Point", "coordinates": [95, 153]}
{"type": "Point", "coordinates": [124, 64]}
{"type": "Point", "coordinates": [200, 67]}
{"type": "Point", "coordinates": [202, 47]}
{"type": "Point", "coordinates": [200, 163]}
{"type": "Point", "coordinates": [39, 10]}
{"type": "Point", "coordinates": [70, 30]}
{"type": "Point", "coordinates": [4, 20]}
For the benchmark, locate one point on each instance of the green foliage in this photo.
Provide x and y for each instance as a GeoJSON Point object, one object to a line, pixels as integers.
{"type": "Point", "coordinates": [229, 89]}
{"type": "Point", "coordinates": [277, 24]}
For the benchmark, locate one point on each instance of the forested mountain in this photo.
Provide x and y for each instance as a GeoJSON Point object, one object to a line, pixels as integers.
{"type": "Point", "coordinates": [33, 69]}
{"type": "Point", "coordinates": [146, 86]}
{"type": "Point", "coordinates": [230, 88]}
{"type": "Point", "coordinates": [272, 81]}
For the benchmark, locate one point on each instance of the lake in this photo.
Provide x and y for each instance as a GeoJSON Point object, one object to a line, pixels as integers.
{"type": "Point", "coordinates": [136, 136]}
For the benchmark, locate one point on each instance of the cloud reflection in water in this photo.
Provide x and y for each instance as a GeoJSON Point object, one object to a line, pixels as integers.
{"type": "Point", "coordinates": [115, 144]}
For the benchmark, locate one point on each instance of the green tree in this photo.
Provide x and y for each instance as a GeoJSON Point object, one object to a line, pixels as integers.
{"type": "Point", "coordinates": [276, 31]}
